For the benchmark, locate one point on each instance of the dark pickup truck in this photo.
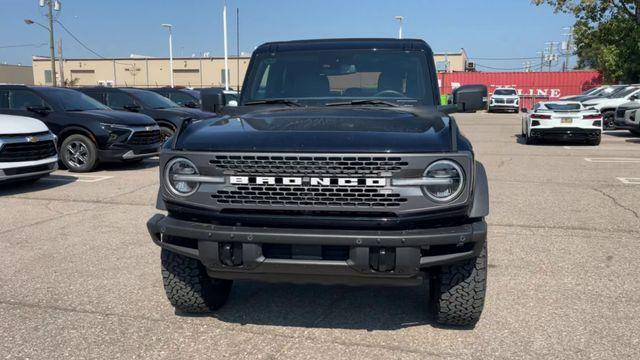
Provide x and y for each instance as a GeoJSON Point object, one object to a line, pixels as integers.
{"type": "Point", "coordinates": [337, 167]}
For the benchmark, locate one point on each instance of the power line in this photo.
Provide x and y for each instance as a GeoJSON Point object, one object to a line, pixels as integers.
{"type": "Point", "coordinates": [85, 46]}
{"type": "Point", "coordinates": [22, 45]}
{"type": "Point", "coordinates": [532, 67]}
{"type": "Point", "coordinates": [505, 59]}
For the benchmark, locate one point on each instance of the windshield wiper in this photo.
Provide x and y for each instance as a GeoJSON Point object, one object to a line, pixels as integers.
{"type": "Point", "coordinates": [273, 101]}
{"type": "Point", "coordinates": [364, 102]}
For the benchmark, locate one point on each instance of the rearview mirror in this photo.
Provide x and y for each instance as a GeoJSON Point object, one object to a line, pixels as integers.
{"type": "Point", "coordinates": [470, 98]}
{"type": "Point", "coordinates": [40, 110]}
{"type": "Point", "coordinates": [132, 107]}
{"type": "Point", "coordinates": [213, 100]}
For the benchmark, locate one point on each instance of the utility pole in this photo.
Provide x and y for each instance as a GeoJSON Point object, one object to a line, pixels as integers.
{"type": "Point", "coordinates": [61, 60]}
{"type": "Point", "coordinates": [51, 47]}
{"type": "Point", "coordinates": [170, 28]}
{"type": "Point", "coordinates": [568, 46]}
{"type": "Point", "coordinates": [226, 57]}
{"type": "Point", "coordinates": [238, 47]}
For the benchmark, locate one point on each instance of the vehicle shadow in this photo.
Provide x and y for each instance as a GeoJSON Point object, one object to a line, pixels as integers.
{"type": "Point", "coordinates": [327, 307]}
{"type": "Point", "coordinates": [633, 141]}
{"type": "Point", "coordinates": [522, 141]}
{"type": "Point", "coordinates": [619, 133]}
{"type": "Point", "coordinates": [124, 166]}
{"type": "Point", "coordinates": [48, 182]}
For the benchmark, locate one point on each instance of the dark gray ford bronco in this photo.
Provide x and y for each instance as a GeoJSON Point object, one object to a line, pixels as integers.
{"type": "Point", "coordinates": [338, 166]}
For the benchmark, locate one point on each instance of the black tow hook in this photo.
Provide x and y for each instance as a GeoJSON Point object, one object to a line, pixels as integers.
{"type": "Point", "coordinates": [230, 253]}
{"type": "Point", "coordinates": [382, 259]}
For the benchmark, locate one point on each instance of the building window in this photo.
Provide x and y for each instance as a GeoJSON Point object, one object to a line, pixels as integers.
{"type": "Point", "coordinates": [48, 79]}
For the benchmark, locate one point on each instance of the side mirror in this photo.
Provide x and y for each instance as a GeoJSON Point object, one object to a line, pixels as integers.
{"type": "Point", "coordinates": [40, 110]}
{"type": "Point", "coordinates": [213, 100]}
{"type": "Point", "coordinates": [191, 104]}
{"type": "Point", "coordinates": [132, 107]}
{"type": "Point", "coordinates": [633, 98]}
{"type": "Point", "coordinates": [470, 98]}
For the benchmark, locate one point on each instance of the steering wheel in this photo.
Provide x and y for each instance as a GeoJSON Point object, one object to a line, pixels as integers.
{"type": "Point", "coordinates": [389, 93]}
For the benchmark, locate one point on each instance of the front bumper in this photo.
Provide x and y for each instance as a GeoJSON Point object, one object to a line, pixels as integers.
{"type": "Point", "coordinates": [394, 257]}
{"type": "Point", "coordinates": [503, 106]}
{"type": "Point", "coordinates": [566, 133]}
{"type": "Point", "coordinates": [129, 152]}
{"type": "Point", "coordinates": [28, 169]}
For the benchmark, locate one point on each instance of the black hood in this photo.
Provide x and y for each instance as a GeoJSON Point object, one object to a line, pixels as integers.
{"type": "Point", "coordinates": [113, 117]}
{"type": "Point", "coordinates": [323, 129]}
{"type": "Point", "coordinates": [178, 112]}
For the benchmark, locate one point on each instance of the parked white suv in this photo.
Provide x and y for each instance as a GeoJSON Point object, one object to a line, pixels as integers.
{"type": "Point", "coordinates": [506, 99]}
{"type": "Point", "coordinates": [607, 106]}
{"type": "Point", "coordinates": [27, 149]}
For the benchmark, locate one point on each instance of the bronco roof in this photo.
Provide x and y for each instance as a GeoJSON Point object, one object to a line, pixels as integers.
{"type": "Point", "coordinates": [353, 43]}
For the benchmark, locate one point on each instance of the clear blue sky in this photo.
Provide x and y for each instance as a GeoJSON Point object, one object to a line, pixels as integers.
{"type": "Point", "coordinates": [485, 28]}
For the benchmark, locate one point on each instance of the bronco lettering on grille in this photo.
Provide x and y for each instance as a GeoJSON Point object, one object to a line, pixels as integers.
{"type": "Point", "coordinates": [313, 181]}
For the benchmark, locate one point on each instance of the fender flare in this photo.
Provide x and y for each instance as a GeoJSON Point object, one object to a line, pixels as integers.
{"type": "Point", "coordinates": [480, 207]}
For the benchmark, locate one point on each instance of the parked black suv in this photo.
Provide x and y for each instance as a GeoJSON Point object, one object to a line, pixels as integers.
{"type": "Point", "coordinates": [337, 167]}
{"type": "Point", "coordinates": [88, 131]}
{"type": "Point", "coordinates": [167, 113]}
{"type": "Point", "coordinates": [181, 96]}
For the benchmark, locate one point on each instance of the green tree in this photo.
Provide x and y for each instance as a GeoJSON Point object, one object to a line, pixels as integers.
{"type": "Point", "coordinates": [607, 35]}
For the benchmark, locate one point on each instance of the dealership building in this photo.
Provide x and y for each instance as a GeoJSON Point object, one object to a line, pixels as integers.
{"type": "Point", "coordinates": [141, 71]}
{"type": "Point", "coordinates": [138, 71]}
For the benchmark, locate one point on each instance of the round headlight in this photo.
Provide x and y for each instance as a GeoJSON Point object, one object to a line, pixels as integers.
{"type": "Point", "coordinates": [451, 184]}
{"type": "Point", "coordinates": [176, 175]}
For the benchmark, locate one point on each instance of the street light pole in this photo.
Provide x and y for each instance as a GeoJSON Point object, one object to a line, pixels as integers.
{"type": "Point", "coordinates": [400, 19]}
{"type": "Point", "coordinates": [169, 27]}
{"type": "Point", "coordinates": [226, 58]}
{"type": "Point", "coordinates": [51, 45]}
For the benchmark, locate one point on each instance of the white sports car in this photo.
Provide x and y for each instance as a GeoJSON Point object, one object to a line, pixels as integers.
{"type": "Point", "coordinates": [562, 120]}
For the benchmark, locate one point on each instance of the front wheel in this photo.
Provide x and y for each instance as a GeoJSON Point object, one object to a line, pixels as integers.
{"type": "Point", "coordinates": [608, 118]}
{"type": "Point", "coordinates": [188, 287]}
{"type": "Point", "coordinates": [78, 153]}
{"type": "Point", "coordinates": [458, 291]}
{"type": "Point", "coordinates": [596, 141]}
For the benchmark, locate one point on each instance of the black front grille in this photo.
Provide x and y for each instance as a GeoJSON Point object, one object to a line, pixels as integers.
{"type": "Point", "coordinates": [307, 196]}
{"type": "Point", "coordinates": [145, 137]}
{"type": "Point", "coordinates": [499, 101]}
{"type": "Point", "coordinates": [309, 165]}
{"type": "Point", "coordinates": [27, 151]}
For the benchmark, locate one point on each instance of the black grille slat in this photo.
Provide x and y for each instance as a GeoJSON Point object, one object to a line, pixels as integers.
{"type": "Point", "coordinates": [15, 152]}
{"type": "Point", "coordinates": [308, 165]}
{"type": "Point", "coordinates": [309, 196]}
{"type": "Point", "coordinates": [145, 137]}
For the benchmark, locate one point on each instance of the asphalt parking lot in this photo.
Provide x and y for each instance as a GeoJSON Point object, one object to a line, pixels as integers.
{"type": "Point", "coordinates": [81, 279]}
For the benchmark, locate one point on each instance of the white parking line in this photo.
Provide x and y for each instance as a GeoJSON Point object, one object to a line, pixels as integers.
{"type": "Point", "coordinates": [630, 181]}
{"type": "Point", "coordinates": [613, 160]}
{"type": "Point", "coordinates": [78, 178]}
{"type": "Point", "coordinates": [598, 148]}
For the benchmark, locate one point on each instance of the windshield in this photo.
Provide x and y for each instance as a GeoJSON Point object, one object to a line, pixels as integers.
{"type": "Point", "coordinates": [149, 99]}
{"type": "Point", "coordinates": [72, 100]}
{"type": "Point", "coordinates": [505, 92]}
{"type": "Point", "coordinates": [340, 75]}
{"type": "Point", "coordinates": [562, 107]}
{"type": "Point", "coordinates": [623, 93]}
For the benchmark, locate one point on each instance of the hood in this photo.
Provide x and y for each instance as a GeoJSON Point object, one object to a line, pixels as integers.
{"type": "Point", "coordinates": [179, 112]}
{"type": "Point", "coordinates": [113, 117]}
{"type": "Point", "coordinates": [14, 125]}
{"type": "Point", "coordinates": [604, 102]}
{"type": "Point", "coordinates": [323, 129]}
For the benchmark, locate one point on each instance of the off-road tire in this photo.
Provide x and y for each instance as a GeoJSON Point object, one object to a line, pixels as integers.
{"type": "Point", "coordinates": [458, 291]}
{"type": "Point", "coordinates": [188, 287]}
